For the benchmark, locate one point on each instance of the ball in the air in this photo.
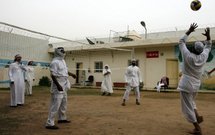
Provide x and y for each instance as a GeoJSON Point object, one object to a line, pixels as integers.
{"type": "Point", "coordinates": [195, 5]}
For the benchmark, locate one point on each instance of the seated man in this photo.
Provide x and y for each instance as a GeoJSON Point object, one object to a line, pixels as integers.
{"type": "Point", "coordinates": [90, 80]}
{"type": "Point", "coordinates": [164, 82]}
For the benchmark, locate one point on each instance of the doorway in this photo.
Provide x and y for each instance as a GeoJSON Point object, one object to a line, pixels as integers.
{"type": "Point", "coordinates": [172, 72]}
{"type": "Point", "coordinates": [79, 69]}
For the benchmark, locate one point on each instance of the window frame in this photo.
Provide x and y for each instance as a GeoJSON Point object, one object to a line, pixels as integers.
{"type": "Point", "coordinates": [100, 67]}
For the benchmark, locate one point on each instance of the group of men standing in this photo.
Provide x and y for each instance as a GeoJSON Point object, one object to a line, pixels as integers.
{"type": "Point", "coordinates": [60, 84]}
{"type": "Point", "coordinates": [189, 83]}
{"type": "Point", "coordinates": [21, 81]}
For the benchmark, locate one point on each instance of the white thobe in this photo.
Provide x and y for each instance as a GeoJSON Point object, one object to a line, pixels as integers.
{"type": "Point", "coordinates": [133, 79]}
{"type": "Point", "coordinates": [58, 103]}
{"type": "Point", "coordinates": [159, 86]}
{"type": "Point", "coordinates": [17, 89]}
{"type": "Point", "coordinates": [29, 77]}
{"type": "Point", "coordinates": [106, 85]}
{"type": "Point", "coordinates": [190, 81]}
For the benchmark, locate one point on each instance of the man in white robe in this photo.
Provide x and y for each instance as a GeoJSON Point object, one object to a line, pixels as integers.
{"type": "Point", "coordinates": [192, 70]}
{"type": "Point", "coordinates": [29, 78]}
{"type": "Point", "coordinates": [133, 79]}
{"type": "Point", "coordinates": [59, 86]}
{"type": "Point", "coordinates": [106, 86]}
{"type": "Point", "coordinates": [164, 82]}
{"type": "Point", "coordinates": [17, 84]}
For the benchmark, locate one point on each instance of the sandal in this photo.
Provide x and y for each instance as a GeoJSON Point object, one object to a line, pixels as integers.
{"type": "Point", "coordinates": [123, 104]}
{"type": "Point", "coordinates": [195, 132]}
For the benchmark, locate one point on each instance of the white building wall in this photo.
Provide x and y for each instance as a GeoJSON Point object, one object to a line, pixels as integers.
{"type": "Point", "coordinates": [77, 57]}
{"type": "Point", "coordinates": [38, 71]}
{"type": "Point", "coordinates": [152, 69]}
{"type": "Point", "coordinates": [120, 65]}
{"type": "Point", "coordinates": [155, 68]}
{"type": "Point", "coordinates": [117, 60]}
{"type": "Point", "coordinates": [29, 48]}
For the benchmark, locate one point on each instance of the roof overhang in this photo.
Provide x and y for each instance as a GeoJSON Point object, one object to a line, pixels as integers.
{"type": "Point", "coordinates": [127, 46]}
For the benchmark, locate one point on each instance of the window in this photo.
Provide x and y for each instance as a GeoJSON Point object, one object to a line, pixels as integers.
{"type": "Point", "coordinates": [137, 63]}
{"type": "Point", "coordinates": [98, 66]}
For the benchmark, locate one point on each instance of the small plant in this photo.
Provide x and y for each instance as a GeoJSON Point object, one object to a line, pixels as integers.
{"type": "Point", "coordinates": [45, 81]}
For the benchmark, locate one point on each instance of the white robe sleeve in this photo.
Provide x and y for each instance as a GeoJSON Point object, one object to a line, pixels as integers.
{"type": "Point", "coordinates": [126, 75]}
{"type": "Point", "coordinates": [33, 73]}
{"type": "Point", "coordinates": [23, 67]}
{"type": "Point", "coordinates": [54, 68]}
{"type": "Point", "coordinates": [140, 75]}
{"type": "Point", "coordinates": [207, 47]}
{"type": "Point", "coordinates": [26, 74]}
{"type": "Point", "coordinates": [10, 73]}
{"type": "Point", "coordinates": [104, 71]}
{"type": "Point", "coordinates": [183, 47]}
{"type": "Point", "coordinates": [109, 71]}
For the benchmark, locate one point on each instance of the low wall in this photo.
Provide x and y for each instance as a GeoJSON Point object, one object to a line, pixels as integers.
{"type": "Point", "coordinates": [115, 84]}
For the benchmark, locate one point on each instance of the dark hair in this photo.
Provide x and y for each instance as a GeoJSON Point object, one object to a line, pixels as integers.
{"type": "Point", "coordinates": [30, 62]}
{"type": "Point", "coordinates": [60, 48]}
{"type": "Point", "coordinates": [193, 50]}
{"type": "Point", "coordinates": [15, 59]}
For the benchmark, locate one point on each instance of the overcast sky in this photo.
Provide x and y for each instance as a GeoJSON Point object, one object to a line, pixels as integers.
{"type": "Point", "coordinates": [75, 19]}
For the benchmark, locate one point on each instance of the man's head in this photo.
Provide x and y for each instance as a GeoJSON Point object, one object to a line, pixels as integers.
{"type": "Point", "coordinates": [198, 47]}
{"type": "Point", "coordinates": [106, 66]}
{"type": "Point", "coordinates": [133, 62]}
{"type": "Point", "coordinates": [30, 63]}
{"type": "Point", "coordinates": [18, 58]}
{"type": "Point", "coordinates": [59, 52]}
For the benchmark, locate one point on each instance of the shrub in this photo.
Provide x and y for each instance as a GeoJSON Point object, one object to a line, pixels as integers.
{"type": "Point", "coordinates": [45, 81]}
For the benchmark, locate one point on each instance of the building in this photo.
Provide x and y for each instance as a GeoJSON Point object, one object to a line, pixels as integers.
{"type": "Point", "coordinates": [157, 56]}
{"type": "Point", "coordinates": [31, 47]}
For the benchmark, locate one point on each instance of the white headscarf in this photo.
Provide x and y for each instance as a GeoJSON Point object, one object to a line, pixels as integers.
{"type": "Point", "coordinates": [199, 46]}
{"type": "Point", "coordinates": [58, 53]}
{"type": "Point", "coordinates": [133, 60]}
{"type": "Point", "coordinates": [106, 70]}
{"type": "Point", "coordinates": [106, 66]}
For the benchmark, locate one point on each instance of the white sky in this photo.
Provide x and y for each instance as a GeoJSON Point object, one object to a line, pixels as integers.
{"type": "Point", "coordinates": [75, 19]}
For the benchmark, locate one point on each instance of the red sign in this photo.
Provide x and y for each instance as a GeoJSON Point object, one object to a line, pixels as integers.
{"type": "Point", "coordinates": [152, 54]}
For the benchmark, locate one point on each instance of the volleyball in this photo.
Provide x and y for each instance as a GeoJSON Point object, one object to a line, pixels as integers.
{"type": "Point", "coordinates": [195, 5]}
